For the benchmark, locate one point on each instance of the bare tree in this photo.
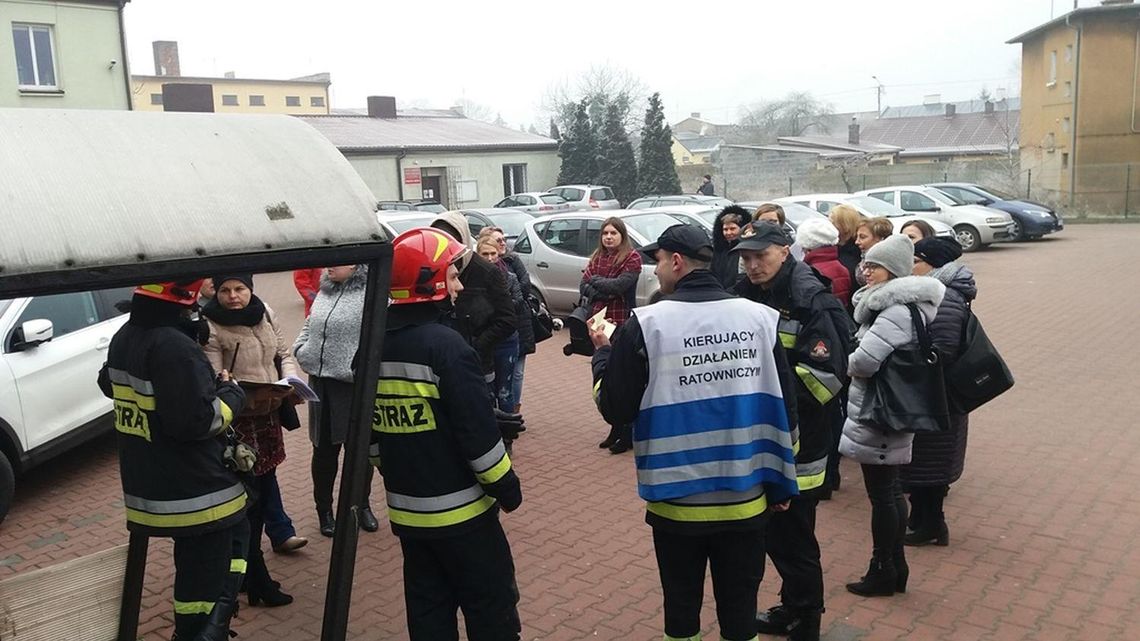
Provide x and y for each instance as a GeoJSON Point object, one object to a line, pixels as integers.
{"type": "Point", "coordinates": [796, 114]}
{"type": "Point", "coordinates": [475, 110]}
{"type": "Point", "coordinates": [600, 87]}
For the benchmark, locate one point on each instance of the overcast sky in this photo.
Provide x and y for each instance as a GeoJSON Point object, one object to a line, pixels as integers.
{"type": "Point", "coordinates": [709, 57]}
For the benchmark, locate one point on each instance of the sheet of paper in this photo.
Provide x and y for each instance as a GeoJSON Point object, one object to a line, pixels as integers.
{"type": "Point", "coordinates": [301, 387]}
{"type": "Point", "coordinates": [600, 318]}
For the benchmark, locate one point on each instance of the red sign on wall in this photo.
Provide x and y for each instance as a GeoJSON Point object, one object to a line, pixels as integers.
{"type": "Point", "coordinates": [412, 176]}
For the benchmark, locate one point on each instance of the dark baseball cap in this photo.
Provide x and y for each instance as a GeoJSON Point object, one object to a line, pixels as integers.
{"type": "Point", "coordinates": [763, 235]}
{"type": "Point", "coordinates": [687, 240]}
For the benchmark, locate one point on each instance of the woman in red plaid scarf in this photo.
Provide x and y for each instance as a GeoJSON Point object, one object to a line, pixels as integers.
{"type": "Point", "coordinates": [610, 282]}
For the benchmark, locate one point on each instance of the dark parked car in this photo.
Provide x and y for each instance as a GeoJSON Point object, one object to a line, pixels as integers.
{"type": "Point", "coordinates": [1031, 220]}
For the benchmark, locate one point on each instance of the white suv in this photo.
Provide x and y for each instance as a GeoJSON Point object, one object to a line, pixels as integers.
{"type": "Point", "coordinates": [974, 225]}
{"type": "Point", "coordinates": [53, 347]}
{"type": "Point", "coordinates": [586, 197]}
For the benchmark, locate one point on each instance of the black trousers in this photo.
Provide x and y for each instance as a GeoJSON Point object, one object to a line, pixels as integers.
{"type": "Point", "coordinates": [794, 551]}
{"type": "Point", "coordinates": [888, 509]}
{"type": "Point", "coordinates": [324, 466]}
{"type": "Point", "coordinates": [473, 572]}
{"type": "Point", "coordinates": [736, 560]}
{"type": "Point", "coordinates": [201, 566]}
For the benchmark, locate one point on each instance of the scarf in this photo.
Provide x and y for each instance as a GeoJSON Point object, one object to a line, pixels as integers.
{"type": "Point", "coordinates": [248, 316]}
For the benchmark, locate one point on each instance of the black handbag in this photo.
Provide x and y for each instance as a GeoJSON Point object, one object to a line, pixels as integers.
{"type": "Point", "coordinates": [980, 374]}
{"type": "Point", "coordinates": [540, 318]}
{"type": "Point", "coordinates": [908, 393]}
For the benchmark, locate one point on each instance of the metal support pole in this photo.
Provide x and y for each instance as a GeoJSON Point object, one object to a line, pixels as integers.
{"type": "Point", "coordinates": [132, 588]}
{"type": "Point", "coordinates": [864, 181]}
{"type": "Point", "coordinates": [789, 185]}
{"type": "Point", "coordinates": [1028, 182]}
{"type": "Point", "coordinates": [342, 563]}
{"type": "Point", "coordinates": [1127, 186]}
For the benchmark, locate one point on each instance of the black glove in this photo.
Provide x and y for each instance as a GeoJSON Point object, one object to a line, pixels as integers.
{"type": "Point", "coordinates": [588, 292]}
{"type": "Point", "coordinates": [510, 501]}
{"type": "Point", "coordinates": [510, 425]}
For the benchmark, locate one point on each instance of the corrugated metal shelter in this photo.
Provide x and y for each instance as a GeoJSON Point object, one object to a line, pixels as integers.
{"type": "Point", "coordinates": [103, 191]}
{"type": "Point", "coordinates": [93, 199]}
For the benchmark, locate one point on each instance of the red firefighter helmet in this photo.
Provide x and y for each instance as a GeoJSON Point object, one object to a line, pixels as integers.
{"type": "Point", "coordinates": [419, 265]}
{"type": "Point", "coordinates": [181, 292]}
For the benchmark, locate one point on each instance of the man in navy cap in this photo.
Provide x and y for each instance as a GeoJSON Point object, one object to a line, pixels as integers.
{"type": "Point", "coordinates": [703, 378]}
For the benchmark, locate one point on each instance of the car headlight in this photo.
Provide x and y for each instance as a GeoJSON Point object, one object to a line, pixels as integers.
{"type": "Point", "coordinates": [1038, 212]}
{"type": "Point", "coordinates": [997, 220]}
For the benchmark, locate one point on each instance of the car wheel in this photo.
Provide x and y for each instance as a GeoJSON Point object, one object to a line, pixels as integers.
{"type": "Point", "coordinates": [7, 485]}
{"type": "Point", "coordinates": [1018, 231]}
{"type": "Point", "coordinates": [968, 238]}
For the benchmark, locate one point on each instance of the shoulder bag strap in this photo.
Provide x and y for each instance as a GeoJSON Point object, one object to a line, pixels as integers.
{"type": "Point", "coordinates": [920, 329]}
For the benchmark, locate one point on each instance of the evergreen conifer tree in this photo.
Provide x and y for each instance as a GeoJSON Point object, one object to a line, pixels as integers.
{"type": "Point", "coordinates": [617, 165]}
{"type": "Point", "coordinates": [656, 171]}
{"type": "Point", "coordinates": [577, 150]}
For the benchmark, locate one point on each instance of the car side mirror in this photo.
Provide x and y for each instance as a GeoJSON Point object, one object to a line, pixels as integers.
{"type": "Point", "coordinates": [31, 333]}
{"type": "Point", "coordinates": [984, 202]}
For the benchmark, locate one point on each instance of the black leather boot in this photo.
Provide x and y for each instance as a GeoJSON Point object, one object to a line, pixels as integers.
{"type": "Point", "coordinates": [327, 521]}
{"type": "Point", "coordinates": [806, 627]}
{"type": "Point", "coordinates": [261, 589]}
{"type": "Point", "coordinates": [902, 570]}
{"type": "Point", "coordinates": [880, 580]}
{"type": "Point", "coordinates": [368, 521]}
{"type": "Point", "coordinates": [777, 621]}
{"type": "Point", "coordinates": [610, 439]}
{"type": "Point", "coordinates": [217, 627]}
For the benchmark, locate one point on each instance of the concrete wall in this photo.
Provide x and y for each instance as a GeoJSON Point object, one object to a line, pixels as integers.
{"type": "Point", "coordinates": [274, 93]}
{"type": "Point", "coordinates": [86, 39]}
{"type": "Point", "coordinates": [753, 174]}
{"type": "Point", "coordinates": [379, 172]}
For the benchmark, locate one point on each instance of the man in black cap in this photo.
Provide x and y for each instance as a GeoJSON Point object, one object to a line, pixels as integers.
{"type": "Point", "coordinates": [816, 332]}
{"type": "Point", "coordinates": [703, 377]}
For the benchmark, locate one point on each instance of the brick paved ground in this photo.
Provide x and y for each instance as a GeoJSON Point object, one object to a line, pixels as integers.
{"type": "Point", "coordinates": [1042, 524]}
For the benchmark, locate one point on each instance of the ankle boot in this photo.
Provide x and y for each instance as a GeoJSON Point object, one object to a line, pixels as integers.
{"type": "Point", "coordinates": [327, 521]}
{"type": "Point", "coordinates": [610, 439]}
{"type": "Point", "coordinates": [776, 621]}
{"type": "Point", "coordinates": [880, 580]}
{"type": "Point", "coordinates": [933, 533]}
{"type": "Point", "coordinates": [806, 627]}
{"type": "Point", "coordinates": [902, 571]}
{"type": "Point", "coordinates": [368, 521]}
{"type": "Point", "coordinates": [217, 627]}
{"type": "Point", "coordinates": [261, 588]}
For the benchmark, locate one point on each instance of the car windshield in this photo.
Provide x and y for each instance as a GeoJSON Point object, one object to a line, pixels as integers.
{"type": "Point", "coordinates": [512, 223]}
{"type": "Point", "coordinates": [4, 305]}
{"type": "Point", "coordinates": [798, 213]}
{"type": "Point", "coordinates": [551, 199]}
{"type": "Point", "coordinates": [994, 194]}
{"type": "Point", "coordinates": [402, 225]}
{"type": "Point", "coordinates": [716, 202]}
{"type": "Point", "coordinates": [650, 226]}
{"type": "Point", "coordinates": [434, 208]}
{"type": "Point", "coordinates": [876, 207]}
{"type": "Point", "coordinates": [943, 197]}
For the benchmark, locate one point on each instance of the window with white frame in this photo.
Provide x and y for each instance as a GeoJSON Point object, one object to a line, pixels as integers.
{"type": "Point", "coordinates": [35, 56]}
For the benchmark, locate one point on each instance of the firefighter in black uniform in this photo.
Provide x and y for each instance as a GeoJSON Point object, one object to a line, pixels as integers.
{"type": "Point", "coordinates": [816, 332]}
{"type": "Point", "coordinates": [172, 414]}
{"type": "Point", "coordinates": [436, 442]}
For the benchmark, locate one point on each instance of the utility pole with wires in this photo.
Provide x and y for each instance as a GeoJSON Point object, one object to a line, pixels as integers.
{"type": "Point", "coordinates": [879, 89]}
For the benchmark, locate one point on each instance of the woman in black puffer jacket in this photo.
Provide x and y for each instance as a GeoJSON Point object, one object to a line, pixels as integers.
{"type": "Point", "coordinates": [937, 459]}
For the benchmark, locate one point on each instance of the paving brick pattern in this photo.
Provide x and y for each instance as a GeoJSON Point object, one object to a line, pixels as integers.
{"type": "Point", "coordinates": [1042, 524]}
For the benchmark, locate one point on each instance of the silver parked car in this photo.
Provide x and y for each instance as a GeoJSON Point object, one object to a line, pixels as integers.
{"type": "Point", "coordinates": [869, 208]}
{"type": "Point", "coordinates": [398, 222]}
{"type": "Point", "coordinates": [535, 203]}
{"type": "Point", "coordinates": [511, 221]}
{"type": "Point", "coordinates": [587, 197]}
{"type": "Point", "coordinates": [556, 249]}
{"type": "Point", "coordinates": [974, 225]}
{"type": "Point", "coordinates": [650, 202]}
{"type": "Point", "coordinates": [794, 214]}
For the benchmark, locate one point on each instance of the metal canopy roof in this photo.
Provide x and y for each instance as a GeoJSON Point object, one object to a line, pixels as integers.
{"type": "Point", "coordinates": [94, 197]}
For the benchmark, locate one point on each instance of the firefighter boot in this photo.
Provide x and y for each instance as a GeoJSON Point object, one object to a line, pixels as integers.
{"type": "Point", "coordinates": [217, 627]}
{"type": "Point", "coordinates": [776, 621]}
{"type": "Point", "coordinates": [806, 627]}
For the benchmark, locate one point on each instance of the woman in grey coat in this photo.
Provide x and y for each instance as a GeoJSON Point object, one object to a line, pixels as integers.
{"type": "Point", "coordinates": [884, 326]}
{"type": "Point", "coordinates": [938, 458]}
{"type": "Point", "coordinates": [325, 349]}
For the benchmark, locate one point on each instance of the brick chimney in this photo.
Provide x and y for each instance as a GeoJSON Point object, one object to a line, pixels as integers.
{"type": "Point", "coordinates": [166, 58]}
{"type": "Point", "coordinates": [382, 107]}
{"type": "Point", "coordinates": [853, 132]}
{"type": "Point", "coordinates": [695, 114]}
{"type": "Point", "coordinates": [951, 109]}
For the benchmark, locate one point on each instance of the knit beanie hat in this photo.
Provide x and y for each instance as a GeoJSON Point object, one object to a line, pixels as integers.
{"type": "Point", "coordinates": [936, 252]}
{"type": "Point", "coordinates": [895, 253]}
{"type": "Point", "coordinates": [246, 279]}
{"type": "Point", "coordinates": [814, 233]}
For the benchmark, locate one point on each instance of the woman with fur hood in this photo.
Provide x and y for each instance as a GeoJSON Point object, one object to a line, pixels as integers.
{"type": "Point", "coordinates": [938, 458]}
{"type": "Point", "coordinates": [325, 349]}
{"type": "Point", "coordinates": [884, 326]}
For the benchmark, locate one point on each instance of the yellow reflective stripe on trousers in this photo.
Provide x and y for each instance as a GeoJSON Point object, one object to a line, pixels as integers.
{"type": "Point", "coordinates": [822, 385]}
{"type": "Point", "coordinates": [416, 389]}
{"type": "Point", "coordinates": [440, 519]}
{"type": "Point", "coordinates": [703, 513]}
{"type": "Point", "coordinates": [187, 519]}
{"type": "Point", "coordinates": [811, 475]}
{"type": "Point", "coordinates": [237, 566]}
{"type": "Point", "coordinates": [193, 607]}
{"type": "Point", "coordinates": [695, 637]}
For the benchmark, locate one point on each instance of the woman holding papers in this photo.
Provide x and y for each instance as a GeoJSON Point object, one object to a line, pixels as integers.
{"type": "Point", "coordinates": [610, 283]}
{"type": "Point", "coordinates": [245, 339]}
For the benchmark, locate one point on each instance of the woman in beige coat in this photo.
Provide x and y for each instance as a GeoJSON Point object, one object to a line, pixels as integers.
{"type": "Point", "coordinates": [245, 339]}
